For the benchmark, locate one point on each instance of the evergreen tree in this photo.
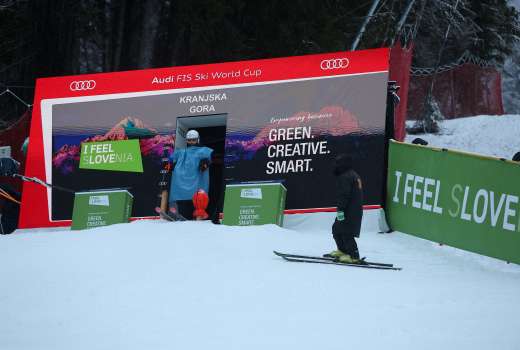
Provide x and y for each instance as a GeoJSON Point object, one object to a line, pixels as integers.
{"type": "Point", "coordinates": [59, 37]}
{"type": "Point", "coordinates": [498, 29]}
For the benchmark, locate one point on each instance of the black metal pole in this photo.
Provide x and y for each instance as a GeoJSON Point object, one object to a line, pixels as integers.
{"type": "Point", "coordinates": [392, 99]}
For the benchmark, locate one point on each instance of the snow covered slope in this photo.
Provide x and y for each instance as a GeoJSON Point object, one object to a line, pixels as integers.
{"type": "Point", "coordinates": [491, 135]}
{"type": "Point", "coordinates": [194, 285]}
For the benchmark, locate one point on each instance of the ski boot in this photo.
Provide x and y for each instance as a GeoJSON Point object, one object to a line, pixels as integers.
{"type": "Point", "coordinates": [334, 254]}
{"type": "Point", "coordinates": [345, 258]}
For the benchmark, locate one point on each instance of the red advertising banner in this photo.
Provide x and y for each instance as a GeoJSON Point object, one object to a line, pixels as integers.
{"type": "Point", "coordinates": [276, 119]}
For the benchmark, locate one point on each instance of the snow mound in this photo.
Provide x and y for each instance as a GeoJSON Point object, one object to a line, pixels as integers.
{"type": "Point", "coordinates": [491, 135]}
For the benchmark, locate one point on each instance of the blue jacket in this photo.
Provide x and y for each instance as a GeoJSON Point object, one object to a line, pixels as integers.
{"type": "Point", "coordinates": [187, 178]}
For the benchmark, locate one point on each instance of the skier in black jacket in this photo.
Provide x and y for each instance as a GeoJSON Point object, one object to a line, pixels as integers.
{"type": "Point", "coordinates": [349, 202]}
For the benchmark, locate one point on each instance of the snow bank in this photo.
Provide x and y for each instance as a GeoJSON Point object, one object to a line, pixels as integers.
{"type": "Point", "coordinates": [497, 136]}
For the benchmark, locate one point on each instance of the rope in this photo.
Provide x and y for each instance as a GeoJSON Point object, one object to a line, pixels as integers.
{"type": "Point", "coordinates": [8, 91]}
{"type": "Point", "coordinates": [466, 57]}
{"type": "Point", "coordinates": [6, 195]}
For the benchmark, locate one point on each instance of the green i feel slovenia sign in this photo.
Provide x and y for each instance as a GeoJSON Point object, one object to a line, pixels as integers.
{"type": "Point", "coordinates": [463, 200]}
{"type": "Point", "coordinates": [124, 155]}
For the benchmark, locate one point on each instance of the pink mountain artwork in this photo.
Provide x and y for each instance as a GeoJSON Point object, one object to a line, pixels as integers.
{"type": "Point", "coordinates": [66, 159]}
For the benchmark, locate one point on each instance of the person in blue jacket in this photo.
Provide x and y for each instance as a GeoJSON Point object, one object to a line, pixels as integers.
{"type": "Point", "coordinates": [190, 173]}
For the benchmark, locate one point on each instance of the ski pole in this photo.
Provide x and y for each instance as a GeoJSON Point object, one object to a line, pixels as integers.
{"type": "Point", "coordinates": [43, 183]}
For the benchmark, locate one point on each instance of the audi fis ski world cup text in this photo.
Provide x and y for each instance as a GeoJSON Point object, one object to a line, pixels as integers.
{"type": "Point", "coordinates": [251, 72]}
{"type": "Point", "coordinates": [217, 75]}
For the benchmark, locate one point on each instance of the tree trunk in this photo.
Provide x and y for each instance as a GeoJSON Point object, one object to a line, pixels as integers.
{"type": "Point", "coordinates": [108, 14]}
{"type": "Point", "coordinates": [119, 35]}
{"type": "Point", "coordinates": [150, 24]}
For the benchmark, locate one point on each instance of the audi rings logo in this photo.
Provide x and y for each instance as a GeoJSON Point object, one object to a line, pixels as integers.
{"type": "Point", "coordinates": [335, 63]}
{"type": "Point", "coordinates": [82, 85]}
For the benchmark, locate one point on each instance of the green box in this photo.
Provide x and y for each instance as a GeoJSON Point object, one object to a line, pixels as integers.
{"type": "Point", "coordinates": [254, 204]}
{"type": "Point", "coordinates": [101, 208]}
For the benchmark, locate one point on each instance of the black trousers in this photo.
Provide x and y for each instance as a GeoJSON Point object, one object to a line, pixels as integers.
{"type": "Point", "coordinates": [345, 241]}
{"type": "Point", "coordinates": [347, 245]}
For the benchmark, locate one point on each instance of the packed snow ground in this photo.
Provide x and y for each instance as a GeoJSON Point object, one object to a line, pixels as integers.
{"type": "Point", "coordinates": [195, 285]}
{"type": "Point", "coordinates": [491, 135]}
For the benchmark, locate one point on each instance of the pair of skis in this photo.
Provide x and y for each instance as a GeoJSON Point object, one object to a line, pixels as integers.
{"type": "Point", "coordinates": [332, 261]}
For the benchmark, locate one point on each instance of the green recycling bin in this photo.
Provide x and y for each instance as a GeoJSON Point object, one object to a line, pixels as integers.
{"type": "Point", "coordinates": [101, 208]}
{"type": "Point", "coordinates": [254, 204]}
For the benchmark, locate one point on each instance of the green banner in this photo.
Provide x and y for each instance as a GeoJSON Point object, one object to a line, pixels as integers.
{"type": "Point", "coordinates": [124, 155]}
{"type": "Point", "coordinates": [459, 199]}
